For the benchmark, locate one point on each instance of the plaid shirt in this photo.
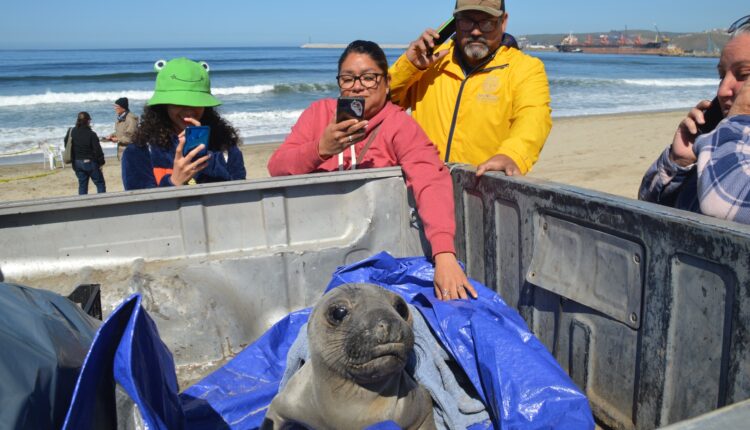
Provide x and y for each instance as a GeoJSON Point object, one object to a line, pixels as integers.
{"type": "Point", "coordinates": [718, 184]}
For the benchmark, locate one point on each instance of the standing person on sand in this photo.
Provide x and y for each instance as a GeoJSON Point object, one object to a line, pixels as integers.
{"type": "Point", "coordinates": [87, 155]}
{"type": "Point", "coordinates": [125, 126]}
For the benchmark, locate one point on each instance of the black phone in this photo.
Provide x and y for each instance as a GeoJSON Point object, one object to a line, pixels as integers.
{"type": "Point", "coordinates": [445, 31]}
{"type": "Point", "coordinates": [350, 108]}
{"type": "Point", "coordinates": [194, 136]}
{"type": "Point", "coordinates": [713, 115]}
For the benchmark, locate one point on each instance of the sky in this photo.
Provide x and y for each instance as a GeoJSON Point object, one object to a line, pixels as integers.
{"type": "Point", "coordinates": [80, 24]}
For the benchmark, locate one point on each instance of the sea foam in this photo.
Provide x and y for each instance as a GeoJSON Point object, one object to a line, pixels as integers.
{"type": "Point", "coordinates": [51, 97]}
{"type": "Point", "coordinates": [249, 125]}
{"type": "Point", "coordinates": [673, 82]}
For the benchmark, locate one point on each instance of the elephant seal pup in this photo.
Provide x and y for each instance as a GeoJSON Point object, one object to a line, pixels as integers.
{"type": "Point", "coordinates": [360, 336]}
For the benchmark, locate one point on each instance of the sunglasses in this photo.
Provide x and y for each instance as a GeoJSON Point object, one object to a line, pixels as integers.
{"type": "Point", "coordinates": [739, 23]}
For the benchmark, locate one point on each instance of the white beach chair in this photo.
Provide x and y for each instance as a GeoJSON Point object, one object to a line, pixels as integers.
{"type": "Point", "coordinates": [52, 154]}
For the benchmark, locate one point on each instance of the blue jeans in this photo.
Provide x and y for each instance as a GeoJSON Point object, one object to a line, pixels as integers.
{"type": "Point", "coordinates": [86, 169]}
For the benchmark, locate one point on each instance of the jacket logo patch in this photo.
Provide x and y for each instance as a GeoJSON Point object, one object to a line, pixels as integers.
{"type": "Point", "coordinates": [488, 92]}
{"type": "Point", "coordinates": [490, 84]}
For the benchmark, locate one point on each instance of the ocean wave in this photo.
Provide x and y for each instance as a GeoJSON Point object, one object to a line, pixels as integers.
{"type": "Point", "coordinates": [654, 83]}
{"type": "Point", "coordinates": [150, 74]}
{"type": "Point", "coordinates": [13, 139]}
{"type": "Point", "coordinates": [305, 88]}
{"type": "Point", "coordinates": [83, 77]}
{"type": "Point", "coordinates": [263, 123]}
{"type": "Point", "coordinates": [691, 82]}
{"type": "Point", "coordinates": [52, 97]}
{"type": "Point", "coordinates": [249, 124]}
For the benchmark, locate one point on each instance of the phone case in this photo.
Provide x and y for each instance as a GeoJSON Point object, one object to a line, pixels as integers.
{"type": "Point", "coordinates": [445, 32]}
{"type": "Point", "coordinates": [195, 136]}
{"type": "Point", "coordinates": [713, 116]}
{"type": "Point", "coordinates": [350, 108]}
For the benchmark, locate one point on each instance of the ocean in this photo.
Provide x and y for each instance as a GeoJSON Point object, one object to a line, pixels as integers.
{"type": "Point", "coordinates": [265, 89]}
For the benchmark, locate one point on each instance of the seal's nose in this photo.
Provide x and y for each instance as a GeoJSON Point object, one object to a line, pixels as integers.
{"type": "Point", "coordinates": [382, 331]}
{"type": "Point", "coordinates": [388, 330]}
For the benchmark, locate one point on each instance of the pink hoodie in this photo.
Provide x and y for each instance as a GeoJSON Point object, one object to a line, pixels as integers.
{"type": "Point", "coordinates": [400, 142]}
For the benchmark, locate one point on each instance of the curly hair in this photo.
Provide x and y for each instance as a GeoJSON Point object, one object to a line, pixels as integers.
{"type": "Point", "coordinates": [155, 128]}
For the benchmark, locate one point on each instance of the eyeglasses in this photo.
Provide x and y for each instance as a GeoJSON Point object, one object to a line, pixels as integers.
{"type": "Point", "coordinates": [745, 20]}
{"type": "Point", "coordinates": [368, 80]}
{"type": "Point", "coordinates": [485, 25]}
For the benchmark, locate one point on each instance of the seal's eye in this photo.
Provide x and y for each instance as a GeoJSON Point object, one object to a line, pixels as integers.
{"type": "Point", "coordinates": [338, 313]}
{"type": "Point", "coordinates": [402, 309]}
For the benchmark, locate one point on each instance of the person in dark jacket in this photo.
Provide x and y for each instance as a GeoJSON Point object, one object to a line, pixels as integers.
{"type": "Point", "coordinates": [182, 97]}
{"type": "Point", "coordinates": [87, 154]}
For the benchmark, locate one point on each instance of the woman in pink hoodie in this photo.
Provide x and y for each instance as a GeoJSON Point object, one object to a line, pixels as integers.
{"type": "Point", "coordinates": [387, 136]}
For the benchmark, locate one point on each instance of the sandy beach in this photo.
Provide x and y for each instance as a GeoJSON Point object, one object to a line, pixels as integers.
{"type": "Point", "coordinates": [606, 153]}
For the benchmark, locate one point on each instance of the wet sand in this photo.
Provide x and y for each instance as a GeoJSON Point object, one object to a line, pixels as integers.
{"type": "Point", "coordinates": [606, 153]}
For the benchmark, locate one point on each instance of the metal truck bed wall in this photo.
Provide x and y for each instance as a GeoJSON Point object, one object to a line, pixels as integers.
{"type": "Point", "coordinates": [217, 264]}
{"type": "Point", "coordinates": [645, 307]}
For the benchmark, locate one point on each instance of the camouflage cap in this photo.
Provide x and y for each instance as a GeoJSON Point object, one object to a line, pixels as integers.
{"type": "Point", "coordinates": [492, 7]}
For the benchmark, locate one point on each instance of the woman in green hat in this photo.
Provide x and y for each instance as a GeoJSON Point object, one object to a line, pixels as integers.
{"type": "Point", "coordinates": [182, 97]}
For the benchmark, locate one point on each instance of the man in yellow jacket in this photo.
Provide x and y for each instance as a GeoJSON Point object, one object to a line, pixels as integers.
{"type": "Point", "coordinates": [481, 102]}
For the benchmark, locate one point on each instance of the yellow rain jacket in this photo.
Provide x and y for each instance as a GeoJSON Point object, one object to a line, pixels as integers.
{"type": "Point", "coordinates": [502, 108]}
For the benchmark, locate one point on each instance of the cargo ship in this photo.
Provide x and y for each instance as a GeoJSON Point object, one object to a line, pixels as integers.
{"type": "Point", "coordinates": [620, 45]}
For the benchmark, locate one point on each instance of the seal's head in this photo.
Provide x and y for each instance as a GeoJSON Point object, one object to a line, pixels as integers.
{"type": "Point", "coordinates": [361, 332]}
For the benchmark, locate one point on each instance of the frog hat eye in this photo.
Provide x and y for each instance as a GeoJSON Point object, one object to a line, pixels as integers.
{"type": "Point", "coordinates": [160, 65]}
{"type": "Point", "coordinates": [204, 65]}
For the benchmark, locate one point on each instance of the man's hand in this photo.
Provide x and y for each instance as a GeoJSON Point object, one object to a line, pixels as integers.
{"type": "Point", "coordinates": [450, 280]}
{"type": "Point", "coordinates": [681, 151]}
{"type": "Point", "coordinates": [741, 103]}
{"type": "Point", "coordinates": [499, 163]}
{"type": "Point", "coordinates": [113, 138]}
{"type": "Point", "coordinates": [420, 52]}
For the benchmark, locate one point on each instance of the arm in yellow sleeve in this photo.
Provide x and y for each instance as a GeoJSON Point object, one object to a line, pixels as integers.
{"type": "Point", "coordinates": [531, 121]}
{"type": "Point", "coordinates": [403, 76]}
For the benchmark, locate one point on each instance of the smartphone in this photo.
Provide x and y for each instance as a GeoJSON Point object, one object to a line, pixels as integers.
{"type": "Point", "coordinates": [445, 31]}
{"type": "Point", "coordinates": [350, 108]}
{"type": "Point", "coordinates": [194, 136]}
{"type": "Point", "coordinates": [713, 115]}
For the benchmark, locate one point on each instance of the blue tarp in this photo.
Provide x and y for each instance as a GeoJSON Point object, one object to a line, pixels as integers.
{"type": "Point", "coordinates": [513, 373]}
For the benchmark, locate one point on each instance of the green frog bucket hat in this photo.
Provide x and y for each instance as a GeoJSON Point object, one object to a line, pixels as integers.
{"type": "Point", "coordinates": [182, 82]}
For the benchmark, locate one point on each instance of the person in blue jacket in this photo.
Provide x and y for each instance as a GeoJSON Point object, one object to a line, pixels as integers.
{"type": "Point", "coordinates": [182, 97]}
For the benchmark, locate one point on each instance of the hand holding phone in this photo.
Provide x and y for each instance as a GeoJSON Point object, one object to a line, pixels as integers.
{"type": "Point", "coordinates": [421, 51]}
{"type": "Point", "coordinates": [445, 31]}
{"type": "Point", "coordinates": [342, 132]}
{"type": "Point", "coordinates": [713, 115]}
{"type": "Point", "coordinates": [194, 136]}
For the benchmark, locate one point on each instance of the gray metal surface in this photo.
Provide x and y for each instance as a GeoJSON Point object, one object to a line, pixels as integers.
{"type": "Point", "coordinates": [216, 264]}
{"type": "Point", "coordinates": [647, 308]}
{"type": "Point", "coordinates": [736, 416]}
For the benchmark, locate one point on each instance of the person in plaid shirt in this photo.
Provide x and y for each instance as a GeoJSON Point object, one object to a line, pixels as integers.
{"type": "Point", "coordinates": [710, 173]}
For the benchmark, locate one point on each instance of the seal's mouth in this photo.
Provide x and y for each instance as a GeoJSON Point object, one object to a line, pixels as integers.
{"type": "Point", "coordinates": [381, 360]}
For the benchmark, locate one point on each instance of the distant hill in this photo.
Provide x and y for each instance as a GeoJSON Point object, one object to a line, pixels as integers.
{"type": "Point", "coordinates": [703, 42]}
